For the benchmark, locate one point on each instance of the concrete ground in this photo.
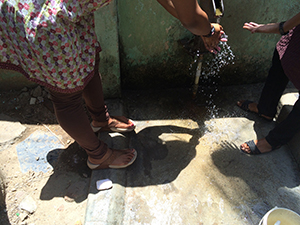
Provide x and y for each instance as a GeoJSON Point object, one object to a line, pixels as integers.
{"type": "Point", "coordinates": [189, 168]}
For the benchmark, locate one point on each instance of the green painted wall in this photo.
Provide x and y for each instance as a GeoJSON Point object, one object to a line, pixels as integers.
{"type": "Point", "coordinates": [106, 22]}
{"type": "Point", "coordinates": [253, 51]}
{"type": "Point", "coordinates": [141, 50]}
{"type": "Point", "coordinates": [12, 80]}
{"type": "Point", "coordinates": [151, 56]}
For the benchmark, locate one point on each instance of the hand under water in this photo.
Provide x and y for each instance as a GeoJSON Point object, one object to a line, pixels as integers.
{"type": "Point", "coordinates": [212, 43]}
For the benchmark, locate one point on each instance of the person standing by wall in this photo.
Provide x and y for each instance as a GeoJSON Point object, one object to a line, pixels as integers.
{"type": "Point", "coordinates": [285, 67]}
{"type": "Point", "coordinates": [54, 44]}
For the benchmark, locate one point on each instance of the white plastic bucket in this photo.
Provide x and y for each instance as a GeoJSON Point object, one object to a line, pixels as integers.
{"type": "Point", "coordinates": [280, 216]}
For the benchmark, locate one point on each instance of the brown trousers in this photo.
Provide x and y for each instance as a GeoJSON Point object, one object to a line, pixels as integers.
{"type": "Point", "coordinates": [73, 119]}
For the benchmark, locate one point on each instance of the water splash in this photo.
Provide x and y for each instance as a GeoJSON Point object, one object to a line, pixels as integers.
{"type": "Point", "coordinates": [209, 79]}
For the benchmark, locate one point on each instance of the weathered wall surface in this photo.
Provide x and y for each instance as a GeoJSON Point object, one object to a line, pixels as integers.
{"type": "Point", "coordinates": [13, 80]}
{"type": "Point", "coordinates": [253, 51]}
{"type": "Point", "coordinates": [151, 56]}
{"type": "Point", "coordinates": [141, 49]}
{"type": "Point", "coordinates": [106, 22]}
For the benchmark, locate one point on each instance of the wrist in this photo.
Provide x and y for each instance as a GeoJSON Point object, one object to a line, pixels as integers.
{"type": "Point", "coordinates": [211, 33]}
{"type": "Point", "coordinates": [281, 30]}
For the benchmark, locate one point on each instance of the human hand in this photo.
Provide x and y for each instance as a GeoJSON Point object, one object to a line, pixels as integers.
{"type": "Point", "coordinates": [252, 27]}
{"type": "Point", "coordinates": [211, 43]}
{"type": "Point", "coordinates": [262, 28]}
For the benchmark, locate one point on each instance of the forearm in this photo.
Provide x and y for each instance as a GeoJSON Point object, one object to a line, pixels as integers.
{"type": "Point", "coordinates": [288, 25]}
{"type": "Point", "coordinates": [168, 5]}
{"type": "Point", "coordinates": [190, 15]}
{"type": "Point", "coordinates": [199, 25]}
{"type": "Point", "coordinates": [193, 18]}
{"type": "Point", "coordinates": [294, 21]}
{"type": "Point", "coordinates": [273, 27]}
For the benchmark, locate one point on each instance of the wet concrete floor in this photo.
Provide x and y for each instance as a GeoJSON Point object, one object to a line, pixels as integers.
{"type": "Point", "coordinates": [189, 168]}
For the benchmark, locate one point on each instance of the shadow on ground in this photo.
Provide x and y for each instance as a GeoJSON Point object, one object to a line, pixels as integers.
{"type": "Point", "coordinates": [3, 212]}
{"type": "Point", "coordinates": [265, 180]}
{"type": "Point", "coordinates": [160, 161]}
{"type": "Point", "coordinates": [70, 177]}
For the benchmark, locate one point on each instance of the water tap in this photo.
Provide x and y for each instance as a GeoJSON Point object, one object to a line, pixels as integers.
{"type": "Point", "coordinates": [218, 8]}
{"type": "Point", "coordinates": [195, 46]}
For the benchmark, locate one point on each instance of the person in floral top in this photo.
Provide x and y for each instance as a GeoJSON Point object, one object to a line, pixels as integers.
{"type": "Point", "coordinates": [53, 43]}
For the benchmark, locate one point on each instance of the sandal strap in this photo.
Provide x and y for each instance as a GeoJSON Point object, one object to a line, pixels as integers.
{"type": "Point", "coordinates": [110, 156]}
{"type": "Point", "coordinates": [253, 148]}
{"type": "Point", "coordinates": [245, 105]}
{"type": "Point", "coordinates": [114, 123]}
{"type": "Point", "coordinates": [107, 155]}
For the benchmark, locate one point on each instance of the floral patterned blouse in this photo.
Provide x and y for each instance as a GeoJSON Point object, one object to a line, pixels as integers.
{"type": "Point", "coordinates": [51, 42]}
{"type": "Point", "coordinates": [288, 48]}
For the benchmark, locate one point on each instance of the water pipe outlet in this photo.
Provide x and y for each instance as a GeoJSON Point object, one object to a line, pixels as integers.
{"type": "Point", "coordinates": [218, 7]}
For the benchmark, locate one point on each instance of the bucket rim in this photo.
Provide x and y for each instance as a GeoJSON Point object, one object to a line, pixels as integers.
{"type": "Point", "coordinates": [276, 208]}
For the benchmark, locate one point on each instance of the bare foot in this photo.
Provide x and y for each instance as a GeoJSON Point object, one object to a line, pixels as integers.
{"type": "Point", "coordinates": [261, 144]}
{"type": "Point", "coordinates": [252, 107]}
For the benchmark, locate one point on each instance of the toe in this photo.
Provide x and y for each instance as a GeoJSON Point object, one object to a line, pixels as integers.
{"type": "Point", "coordinates": [120, 122]}
{"type": "Point", "coordinates": [245, 148]}
{"type": "Point", "coordinates": [124, 157]}
{"type": "Point", "coordinates": [239, 103]}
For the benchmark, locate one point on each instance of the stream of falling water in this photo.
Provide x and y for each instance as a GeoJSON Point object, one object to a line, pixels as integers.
{"type": "Point", "coordinates": [208, 81]}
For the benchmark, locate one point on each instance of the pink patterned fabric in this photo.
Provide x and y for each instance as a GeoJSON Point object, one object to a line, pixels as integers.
{"type": "Point", "coordinates": [288, 48]}
{"type": "Point", "coordinates": [51, 42]}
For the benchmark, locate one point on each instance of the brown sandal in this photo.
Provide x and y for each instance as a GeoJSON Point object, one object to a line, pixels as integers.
{"type": "Point", "coordinates": [113, 126]}
{"type": "Point", "coordinates": [108, 159]}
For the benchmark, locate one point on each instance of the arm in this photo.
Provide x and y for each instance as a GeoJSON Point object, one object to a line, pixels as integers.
{"type": "Point", "coordinates": [168, 5]}
{"type": "Point", "coordinates": [195, 20]}
{"type": "Point", "coordinates": [272, 27]}
{"type": "Point", "coordinates": [190, 15]}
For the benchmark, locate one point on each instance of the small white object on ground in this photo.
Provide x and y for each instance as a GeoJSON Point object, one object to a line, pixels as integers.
{"type": "Point", "coordinates": [32, 101]}
{"type": "Point", "coordinates": [104, 184]}
{"type": "Point", "coordinates": [277, 223]}
{"type": "Point", "coordinates": [28, 204]}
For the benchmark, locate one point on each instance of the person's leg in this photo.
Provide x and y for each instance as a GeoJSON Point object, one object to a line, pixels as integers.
{"type": "Point", "coordinates": [267, 106]}
{"type": "Point", "coordinates": [280, 135]}
{"type": "Point", "coordinates": [285, 130]}
{"type": "Point", "coordinates": [73, 119]}
{"type": "Point", "coordinates": [93, 96]}
{"type": "Point", "coordinates": [273, 89]}
{"type": "Point", "coordinates": [94, 100]}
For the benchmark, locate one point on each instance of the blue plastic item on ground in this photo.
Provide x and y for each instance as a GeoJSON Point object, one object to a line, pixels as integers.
{"type": "Point", "coordinates": [38, 152]}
